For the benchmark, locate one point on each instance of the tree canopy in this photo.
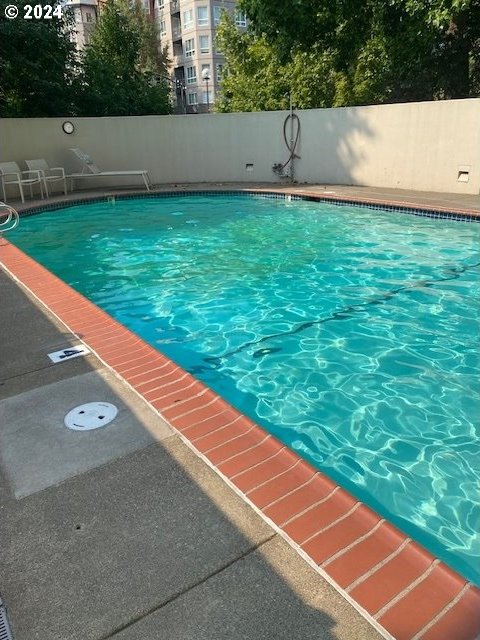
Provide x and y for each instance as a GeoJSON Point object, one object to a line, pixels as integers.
{"type": "Point", "coordinates": [121, 71]}
{"type": "Point", "coordinates": [118, 75]}
{"type": "Point", "coordinates": [345, 52]}
{"type": "Point", "coordinates": [37, 65]}
{"type": "Point", "coordinates": [258, 80]}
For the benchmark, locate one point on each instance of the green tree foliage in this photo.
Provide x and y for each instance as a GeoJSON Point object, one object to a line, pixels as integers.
{"type": "Point", "coordinates": [37, 65]}
{"type": "Point", "coordinates": [120, 72]}
{"type": "Point", "coordinates": [366, 52]}
{"type": "Point", "coordinates": [152, 58]}
{"type": "Point", "coordinates": [256, 78]}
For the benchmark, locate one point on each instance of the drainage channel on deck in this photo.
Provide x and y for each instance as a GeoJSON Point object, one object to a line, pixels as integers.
{"type": "Point", "coordinates": [5, 631]}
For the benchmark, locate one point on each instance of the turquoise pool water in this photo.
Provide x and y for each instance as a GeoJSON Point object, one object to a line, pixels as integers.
{"type": "Point", "coordinates": [351, 334]}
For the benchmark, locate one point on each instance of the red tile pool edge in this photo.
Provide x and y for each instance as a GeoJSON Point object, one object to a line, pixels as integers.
{"type": "Point", "coordinates": [401, 587]}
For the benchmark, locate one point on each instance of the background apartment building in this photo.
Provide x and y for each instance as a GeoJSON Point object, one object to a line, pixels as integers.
{"type": "Point", "coordinates": [188, 28]}
{"type": "Point", "coordinates": [85, 14]}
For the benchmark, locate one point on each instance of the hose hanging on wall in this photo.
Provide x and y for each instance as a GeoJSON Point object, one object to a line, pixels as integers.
{"type": "Point", "coordinates": [291, 144]}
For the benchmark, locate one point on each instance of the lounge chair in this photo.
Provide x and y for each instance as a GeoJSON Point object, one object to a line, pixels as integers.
{"type": "Point", "coordinates": [90, 170]}
{"type": "Point", "coordinates": [10, 173]}
{"type": "Point", "coordinates": [49, 174]}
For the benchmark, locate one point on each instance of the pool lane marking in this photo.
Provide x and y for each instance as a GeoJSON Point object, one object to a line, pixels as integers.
{"type": "Point", "coordinates": [346, 312]}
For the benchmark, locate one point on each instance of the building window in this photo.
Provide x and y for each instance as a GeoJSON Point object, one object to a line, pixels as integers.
{"type": "Point", "coordinates": [220, 71]}
{"type": "Point", "coordinates": [160, 4]}
{"type": "Point", "coordinates": [240, 19]}
{"type": "Point", "coordinates": [163, 28]}
{"type": "Point", "coordinates": [188, 19]}
{"type": "Point", "coordinates": [217, 13]}
{"type": "Point", "coordinates": [202, 16]}
{"type": "Point", "coordinates": [191, 75]}
{"type": "Point", "coordinates": [192, 98]}
{"type": "Point", "coordinates": [89, 16]}
{"type": "Point", "coordinates": [189, 48]}
{"type": "Point", "coordinates": [204, 44]}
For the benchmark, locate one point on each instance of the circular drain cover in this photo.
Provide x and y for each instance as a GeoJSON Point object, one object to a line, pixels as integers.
{"type": "Point", "coordinates": [92, 415]}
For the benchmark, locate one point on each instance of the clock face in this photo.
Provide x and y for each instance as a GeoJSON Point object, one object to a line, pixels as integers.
{"type": "Point", "coordinates": [68, 127]}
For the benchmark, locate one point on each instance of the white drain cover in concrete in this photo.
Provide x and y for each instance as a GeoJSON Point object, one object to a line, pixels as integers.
{"type": "Point", "coordinates": [92, 415]}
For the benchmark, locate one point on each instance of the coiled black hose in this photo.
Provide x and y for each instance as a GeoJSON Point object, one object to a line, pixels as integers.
{"type": "Point", "coordinates": [295, 121]}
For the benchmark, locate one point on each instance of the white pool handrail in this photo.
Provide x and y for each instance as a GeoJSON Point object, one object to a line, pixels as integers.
{"type": "Point", "coordinates": [11, 215]}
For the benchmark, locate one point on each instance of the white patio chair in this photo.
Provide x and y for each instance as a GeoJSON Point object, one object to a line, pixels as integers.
{"type": "Point", "coordinates": [90, 170]}
{"type": "Point", "coordinates": [10, 173]}
{"type": "Point", "coordinates": [49, 174]}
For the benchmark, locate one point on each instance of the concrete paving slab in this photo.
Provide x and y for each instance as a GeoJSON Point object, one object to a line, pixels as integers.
{"type": "Point", "coordinates": [267, 595]}
{"type": "Point", "coordinates": [28, 336]}
{"type": "Point", "coordinates": [44, 375]}
{"type": "Point", "coordinates": [85, 558]}
{"type": "Point", "coordinates": [38, 451]}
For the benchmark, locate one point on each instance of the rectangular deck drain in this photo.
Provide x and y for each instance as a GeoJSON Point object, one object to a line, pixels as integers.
{"type": "Point", "coordinates": [68, 352]}
{"type": "Point", "coordinates": [5, 632]}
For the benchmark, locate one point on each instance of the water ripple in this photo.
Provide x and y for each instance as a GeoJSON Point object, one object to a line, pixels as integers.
{"type": "Point", "coordinates": [352, 335]}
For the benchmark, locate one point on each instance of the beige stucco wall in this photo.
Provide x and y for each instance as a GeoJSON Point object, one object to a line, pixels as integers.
{"type": "Point", "coordinates": [405, 146]}
{"type": "Point", "coordinates": [408, 146]}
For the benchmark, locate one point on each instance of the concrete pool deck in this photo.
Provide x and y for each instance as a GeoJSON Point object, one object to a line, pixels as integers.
{"type": "Point", "coordinates": [127, 533]}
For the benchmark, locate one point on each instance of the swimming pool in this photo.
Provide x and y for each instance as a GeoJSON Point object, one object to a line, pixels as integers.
{"type": "Point", "coordinates": [350, 334]}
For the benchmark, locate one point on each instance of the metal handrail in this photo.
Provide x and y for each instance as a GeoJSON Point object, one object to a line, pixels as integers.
{"type": "Point", "coordinates": [12, 218]}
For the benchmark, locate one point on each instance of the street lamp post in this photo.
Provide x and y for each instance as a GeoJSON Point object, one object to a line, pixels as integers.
{"type": "Point", "coordinates": [206, 77]}
{"type": "Point", "coordinates": [181, 88]}
{"type": "Point", "coordinates": [178, 86]}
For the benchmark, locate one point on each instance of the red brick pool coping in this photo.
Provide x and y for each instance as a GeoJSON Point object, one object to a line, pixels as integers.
{"type": "Point", "coordinates": [397, 584]}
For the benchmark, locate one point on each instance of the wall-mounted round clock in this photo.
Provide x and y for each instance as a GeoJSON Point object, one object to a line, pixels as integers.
{"type": "Point", "coordinates": [68, 127]}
